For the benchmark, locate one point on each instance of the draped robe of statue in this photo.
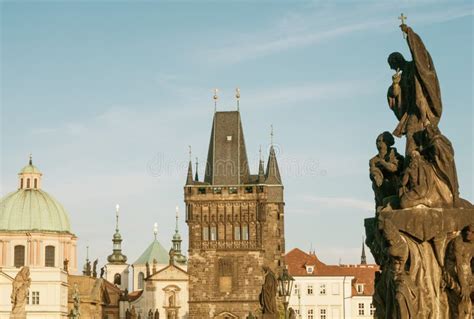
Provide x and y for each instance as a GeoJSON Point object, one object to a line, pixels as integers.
{"type": "Point", "coordinates": [268, 294]}
{"type": "Point", "coordinates": [421, 95]}
{"type": "Point", "coordinates": [20, 286]}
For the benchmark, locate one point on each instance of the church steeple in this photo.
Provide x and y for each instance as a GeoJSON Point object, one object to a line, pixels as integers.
{"type": "Point", "coordinates": [189, 178]}
{"type": "Point", "coordinates": [178, 256]}
{"type": "Point", "coordinates": [363, 258]}
{"type": "Point", "coordinates": [227, 162]}
{"type": "Point", "coordinates": [272, 175]}
{"type": "Point", "coordinates": [117, 257]}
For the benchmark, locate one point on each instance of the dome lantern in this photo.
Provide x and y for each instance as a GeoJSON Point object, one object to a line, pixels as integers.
{"type": "Point", "coordinates": [30, 176]}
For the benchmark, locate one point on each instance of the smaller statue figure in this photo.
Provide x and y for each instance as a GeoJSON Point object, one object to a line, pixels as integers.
{"type": "Point", "coordinates": [292, 313]}
{"type": "Point", "coordinates": [150, 314]}
{"type": "Point", "coordinates": [20, 286]}
{"type": "Point", "coordinates": [157, 314]}
{"type": "Point", "coordinates": [458, 278]}
{"type": "Point", "coordinates": [102, 272]}
{"type": "Point", "coordinates": [268, 294]}
{"type": "Point", "coordinates": [385, 168]}
{"type": "Point", "coordinates": [147, 265]}
{"type": "Point", "coordinates": [76, 299]}
{"type": "Point", "coordinates": [66, 265]}
{"type": "Point", "coordinates": [128, 314]}
{"type": "Point", "coordinates": [133, 313]}
{"type": "Point", "coordinates": [94, 269]}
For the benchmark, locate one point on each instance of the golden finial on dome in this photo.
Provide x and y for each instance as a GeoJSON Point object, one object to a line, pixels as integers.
{"type": "Point", "coordinates": [155, 230]}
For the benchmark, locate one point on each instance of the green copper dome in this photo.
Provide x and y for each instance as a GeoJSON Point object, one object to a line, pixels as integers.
{"type": "Point", "coordinates": [154, 251]}
{"type": "Point", "coordinates": [32, 210]}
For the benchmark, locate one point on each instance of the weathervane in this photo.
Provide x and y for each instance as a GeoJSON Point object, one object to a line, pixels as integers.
{"type": "Point", "coordinates": [237, 96]}
{"type": "Point", "coordinates": [215, 97]}
{"type": "Point", "coordinates": [403, 18]}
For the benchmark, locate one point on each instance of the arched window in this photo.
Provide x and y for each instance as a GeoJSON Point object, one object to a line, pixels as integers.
{"type": "Point", "coordinates": [21, 183]}
{"type": "Point", "coordinates": [117, 279]}
{"type": "Point", "coordinates": [36, 183]}
{"type": "Point", "coordinates": [236, 232]}
{"type": "Point", "coordinates": [19, 259]}
{"type": "Point", "coordinates": [213, 232]}
{"type": "Point", "coordinates": [27, 183]}
{"type": "Point", "coordinates": [245, 232]}
{"type": "Point", "coordinates": [141, 279]}
{"type": "Point", "coordinates": [49, 256]}
{"type": "Point", "coordinates": [205, 233]}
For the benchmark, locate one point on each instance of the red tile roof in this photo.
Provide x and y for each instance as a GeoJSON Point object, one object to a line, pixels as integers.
{"type": "Point", "coordinates": [296, 260]}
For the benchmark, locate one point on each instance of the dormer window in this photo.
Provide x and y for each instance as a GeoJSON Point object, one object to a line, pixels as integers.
{"type": "Point", "coordinates": [309, 269]}
{"type": "Point", "coordinates": [360, 288]}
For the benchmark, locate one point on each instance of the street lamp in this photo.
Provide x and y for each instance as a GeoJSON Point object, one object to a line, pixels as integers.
{"type": "Point", "coordinates": [286, 285]}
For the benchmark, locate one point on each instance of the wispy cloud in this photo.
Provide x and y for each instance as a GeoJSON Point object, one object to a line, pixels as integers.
{"type": "Point", "coordinates": [340, 203]}
{"type": "Point", "coordinates": [315, 27]}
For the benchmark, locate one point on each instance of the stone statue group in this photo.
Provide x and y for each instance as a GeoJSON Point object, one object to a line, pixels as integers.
{"type": "Point", "coordinates": [422, 235]}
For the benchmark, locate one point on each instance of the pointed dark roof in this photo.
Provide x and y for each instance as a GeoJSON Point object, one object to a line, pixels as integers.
{"type": "Point", "coordinates": [363, 258]}
{"type": "Point", "coordinates": [227, 162]}
{"type": "Point", "coordinates": [272, 175]}
{"type": "Point", "coordinates": [189, 178]}
{"type": "Point", "coordinates": [261, 172]}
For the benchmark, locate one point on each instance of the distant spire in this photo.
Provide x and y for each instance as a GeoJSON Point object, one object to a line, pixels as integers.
{"type": "Point", "coordinates": [237, 96]}
{"type": "Point", "coordinates": [87, 253]}
{"type": "Point", "coordinates": [189, 178]}
{"type": "Point", "coordinates": [196, 177]}
{"type": "Point", "coordinates": [261, 169]}
{"type": "Point", "coordinates": [155, 230]}
{"type": "Point", "coordinates": [31, 159]}
{"type": "Point", "coordinates": [176, 247]}
{"type": "Point", "coordinates": [117, 207]}
{"type": "Point", "coordinates": [177, 213]}
{"type": "Point", "coordinates": [363, 258]}
{"type": "Point", "coordinates": [117, 257]}
{"type": "Point", "coordinates": [271, 135]}
{"type": "Point", "coordinates": [272, 175]}
{"type": "Point", "coordinates": [215, 97]}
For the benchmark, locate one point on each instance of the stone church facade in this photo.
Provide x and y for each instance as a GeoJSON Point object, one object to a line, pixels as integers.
{"type": "Point", "coordinates": [236, 225]}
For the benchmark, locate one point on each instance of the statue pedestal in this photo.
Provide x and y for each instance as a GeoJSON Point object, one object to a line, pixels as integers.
{"type": "Point", "coordinates": [425, 260]}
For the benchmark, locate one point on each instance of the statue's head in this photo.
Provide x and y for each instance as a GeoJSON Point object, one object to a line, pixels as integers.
{"type": "Point", "coordinates": [384, 141]}
{"type": "Point", "coordinates": [396, 61]}
{"type": "Point", "coordinates": [468, 233]}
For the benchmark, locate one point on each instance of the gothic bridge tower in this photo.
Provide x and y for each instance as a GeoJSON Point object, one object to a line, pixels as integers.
{"type": "Point", "coordinates": [236, 225]}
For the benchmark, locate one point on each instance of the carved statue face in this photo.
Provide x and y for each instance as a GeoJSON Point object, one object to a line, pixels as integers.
{"type": "Point", "coordinates": [381, 146]}
{"type": "Point", "coordinates": [468, 233]}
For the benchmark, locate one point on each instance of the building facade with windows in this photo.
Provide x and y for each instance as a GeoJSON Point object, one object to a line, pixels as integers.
{"type": "Point", "coordinates": [235, 224]}
{"type": "Point", "coordinates": [35, 232]}
{"type": "Point", "coordinates": [323, 291]}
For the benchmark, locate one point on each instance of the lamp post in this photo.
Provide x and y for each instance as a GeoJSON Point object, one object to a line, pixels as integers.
{"type": "Point", "coordinates": [286, 285]}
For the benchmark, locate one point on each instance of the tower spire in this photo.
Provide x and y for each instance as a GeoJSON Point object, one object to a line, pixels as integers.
{"type": "Point", "coordinates": [272, 175]}
{"type": "Point", "coordinates": [189, 177]}
{"type": "Point", "coordinates": [117, 257]}
{"type": "Point", "coordinates": [177, 256]}
{"type": "Point", "coordinates": [261, 169]}
{"type": "Point", "coordinates": [196, 177]}
{"type": "Point", "coordinates": [31, 159]}
{"type": "Point", "coordinates": [363, 258]}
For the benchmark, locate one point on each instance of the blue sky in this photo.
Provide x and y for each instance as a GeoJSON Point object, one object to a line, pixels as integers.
{"type": "Point", "coordinates": [108, 96]}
